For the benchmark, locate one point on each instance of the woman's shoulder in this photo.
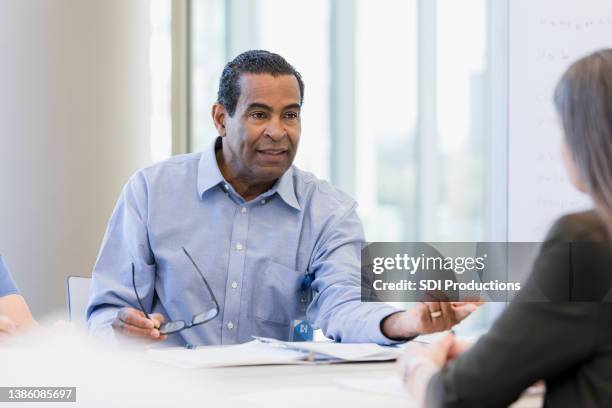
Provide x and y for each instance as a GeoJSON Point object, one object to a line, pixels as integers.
{"type": "Point", "coordinates": [585, 226]}
{"type": "Point", "coordinates": [574, 260]}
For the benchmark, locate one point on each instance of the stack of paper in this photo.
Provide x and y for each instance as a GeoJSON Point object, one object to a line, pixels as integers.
{"type": "Point", "coordinates": [264, 351]}
{"type": "Point", "coordinates": [251, 353]}
{"type": "Point", "coordinates": [338, 352]}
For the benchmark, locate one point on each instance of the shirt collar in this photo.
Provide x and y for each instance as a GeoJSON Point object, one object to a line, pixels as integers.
{"type": "Point", "coordinates": [286, 189]}
{"type": "Point", "coordinates": [210, 176]}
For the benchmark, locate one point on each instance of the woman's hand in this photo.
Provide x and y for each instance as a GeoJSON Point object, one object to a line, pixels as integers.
{"type": "Point", "coordinates": [421, 361]}
{"type": "Point", "coordinates": [459, 347]}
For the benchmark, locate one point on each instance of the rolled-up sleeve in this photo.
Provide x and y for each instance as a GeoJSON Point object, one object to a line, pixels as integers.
{"type": "Point", "coordinates": [336, 307]}
{"type": "Point", "coordinates": [125, 242]}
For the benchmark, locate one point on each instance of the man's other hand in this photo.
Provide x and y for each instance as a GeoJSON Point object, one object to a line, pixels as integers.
{"type": "Point", "coordinates": [133, 323]}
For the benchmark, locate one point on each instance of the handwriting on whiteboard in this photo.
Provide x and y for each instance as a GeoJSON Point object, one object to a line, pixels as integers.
{"type": "Point", "coordinates": [545, 37]}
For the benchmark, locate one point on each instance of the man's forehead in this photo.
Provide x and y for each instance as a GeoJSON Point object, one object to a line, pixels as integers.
{"type": "Point", "coordinates": [265, 86]}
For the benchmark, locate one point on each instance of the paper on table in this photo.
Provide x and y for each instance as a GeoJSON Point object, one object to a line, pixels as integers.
{"type": "Point", "coordinates": [340, 351]}
{"type": "Point", "coordinates": [251, 353]}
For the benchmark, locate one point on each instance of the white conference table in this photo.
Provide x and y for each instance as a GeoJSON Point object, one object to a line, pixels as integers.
{"type": "Point", "coordinates": [308, 386]}
{"type": "Point", "coordinates": [105, 377]}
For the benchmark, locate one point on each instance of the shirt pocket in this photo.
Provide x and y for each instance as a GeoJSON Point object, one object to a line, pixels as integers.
{"type": "Point", "coordinates": [277, 293]}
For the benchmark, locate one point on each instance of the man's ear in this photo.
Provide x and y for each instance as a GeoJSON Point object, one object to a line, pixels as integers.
{"type": "Point", "coordinates": [219, 115]}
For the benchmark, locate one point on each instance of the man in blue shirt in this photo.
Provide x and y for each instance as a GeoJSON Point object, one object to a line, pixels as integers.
{"type": "Point", "coordinates": [273, 243]}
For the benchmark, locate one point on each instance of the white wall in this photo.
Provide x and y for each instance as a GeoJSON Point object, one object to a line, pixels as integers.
{"type": "Point", "coordinates": [74, 124]}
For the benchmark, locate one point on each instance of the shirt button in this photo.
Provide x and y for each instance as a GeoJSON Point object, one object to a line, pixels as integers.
{"type": "Point", "coordinates": [239, 247]}
{"type": "Point", "coordinates": [230, 325]}
{"type": "Point", "coordinates": [263, 202]}
{"type": "Point", "coordinates": [243, 210]}
{"type": "Point", "coordinates": [234, 285]}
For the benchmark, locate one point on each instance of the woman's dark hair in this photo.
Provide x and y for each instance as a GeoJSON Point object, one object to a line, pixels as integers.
{"type": "Point", "coordinates": [583, 99]}
{"type": "Point", "coordinates": [253, 62]}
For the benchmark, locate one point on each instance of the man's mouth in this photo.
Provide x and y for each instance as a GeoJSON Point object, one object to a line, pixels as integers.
{"type": "Point", "coordinates": [272, 152]}
{"type": "Point", "coordinates": [272, 157]}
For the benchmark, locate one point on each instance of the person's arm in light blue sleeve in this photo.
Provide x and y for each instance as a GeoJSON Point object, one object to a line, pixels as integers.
{"type": "Point", "coordinates": [7, 284]}
{"type": "Point", "coordinates": [14, 312]}
{"type": "Point", "coordinates": [336, 306]}
{"type": "Point", "coordinates": [113, 304]}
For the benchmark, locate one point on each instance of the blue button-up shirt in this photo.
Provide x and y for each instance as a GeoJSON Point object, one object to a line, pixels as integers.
{"type": "Point", "coordinates": [253, 254]}
{"type": "Point", "coordinates": [7, 285]}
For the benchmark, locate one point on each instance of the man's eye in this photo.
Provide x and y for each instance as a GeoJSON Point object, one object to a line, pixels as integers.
{"type": "Point", "coordinates": [292, 115]}
{"type": "Point", "coordinates": [257, 115]}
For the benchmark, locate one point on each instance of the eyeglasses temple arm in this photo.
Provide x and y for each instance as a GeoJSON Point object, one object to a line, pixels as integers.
{"type": "Point", "coordinates": [212, 295]}
{"type": "Point", "coordinates": [136, 292]}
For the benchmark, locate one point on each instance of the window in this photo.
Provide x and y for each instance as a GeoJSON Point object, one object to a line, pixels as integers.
{"type": "Point", "coordinates": [304, 43]}
{"type": "Point", "coordinates": [462, 118]}
{"type": "Point", "coordinates": [208, 56]}
{"type": "Point", "coordinates": [386, 112]}
{"type": "Point", "coordinates": [161, 77]}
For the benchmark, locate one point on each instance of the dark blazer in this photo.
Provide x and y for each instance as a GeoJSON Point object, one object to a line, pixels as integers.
{"type": "Point", "coordinates": [566, 341]}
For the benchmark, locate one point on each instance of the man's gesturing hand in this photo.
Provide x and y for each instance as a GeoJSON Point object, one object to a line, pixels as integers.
{"type": "Point", "coordinates": [133, 323]}
{"type": "Point", "coordinates": [427, 317]}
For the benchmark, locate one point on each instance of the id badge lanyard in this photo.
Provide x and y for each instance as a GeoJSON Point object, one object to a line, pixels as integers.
{"type": "Point", "coordinates": [301, 330]}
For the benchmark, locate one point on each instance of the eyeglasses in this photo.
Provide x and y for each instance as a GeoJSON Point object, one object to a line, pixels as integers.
{"type": "Point", "coordinates": [174, 326]}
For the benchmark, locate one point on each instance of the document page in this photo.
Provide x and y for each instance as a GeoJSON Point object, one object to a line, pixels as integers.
{"type": "Point", "coordinates": [251, 353]}
{"type": "Point", "coordinates": [340, 351]}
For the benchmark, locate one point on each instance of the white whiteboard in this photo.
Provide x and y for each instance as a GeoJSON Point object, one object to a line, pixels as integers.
{"type": "Point", "coordinates": [544, 37]}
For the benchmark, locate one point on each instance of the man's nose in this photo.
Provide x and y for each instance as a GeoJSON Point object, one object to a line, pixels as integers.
{"type": "Point", "coordinates": [275, 130]}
